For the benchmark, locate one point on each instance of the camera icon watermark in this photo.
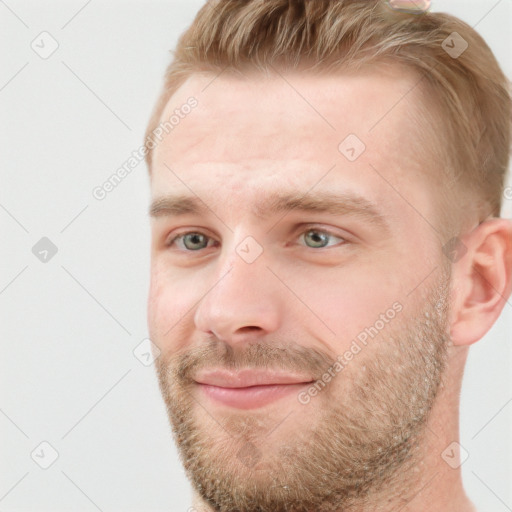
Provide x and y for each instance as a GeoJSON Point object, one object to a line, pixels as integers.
{"type": "Point", "coordinates": [454, 455]}
{"type": "Point", "coordinates": [249, 455]}
{"type": "Point", "coordinates": [44, 250]}
{"type": "Point", "coordinates": [44, 455]}
{"type": "Point", "coordinates": [45, 45]}
{"type": "Point", "coordinates": [454, 249]}
{"type": "Point", "coordinates": [249, 249]}
{"type": "Point", "coordinates": [352, 147]}
{"type": "Point", "coordinates": [146, 352]}
{"type": "Point", "coordinates": [455, 45]}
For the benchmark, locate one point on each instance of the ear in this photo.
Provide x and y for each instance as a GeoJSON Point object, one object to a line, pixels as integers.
{"type": "Point", "coordinates": [481, 280]}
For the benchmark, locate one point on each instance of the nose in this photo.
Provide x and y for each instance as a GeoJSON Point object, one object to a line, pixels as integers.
{"type": "Point", "coordinates": [244, 301]}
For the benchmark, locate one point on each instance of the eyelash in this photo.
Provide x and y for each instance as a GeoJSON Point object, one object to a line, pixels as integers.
{"type": "Point", "coordinates": [180, 236]}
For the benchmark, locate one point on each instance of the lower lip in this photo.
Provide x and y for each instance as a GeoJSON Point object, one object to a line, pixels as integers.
{"type": "Point", "coordinates": [251, 397]}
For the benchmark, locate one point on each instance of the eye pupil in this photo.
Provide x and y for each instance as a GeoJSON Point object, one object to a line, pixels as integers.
{"type": "Point", "coordinates": [193, 237]}
{"type": "Point", "coordinates": [317, 237]}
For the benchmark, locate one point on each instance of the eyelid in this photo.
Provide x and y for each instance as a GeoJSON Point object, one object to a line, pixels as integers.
{"type": "Point", "coordinates": [304, 228]}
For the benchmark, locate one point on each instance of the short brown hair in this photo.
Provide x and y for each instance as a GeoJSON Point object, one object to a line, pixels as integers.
{"type": "Point", "coordinates": [470, 91]}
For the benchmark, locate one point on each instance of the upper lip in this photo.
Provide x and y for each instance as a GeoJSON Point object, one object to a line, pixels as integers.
{"type": "Point", "coordinates": [246, 378]}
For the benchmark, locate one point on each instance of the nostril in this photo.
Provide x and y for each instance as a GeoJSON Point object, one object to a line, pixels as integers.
{"type": "Point", "coordinates": [249, 328]}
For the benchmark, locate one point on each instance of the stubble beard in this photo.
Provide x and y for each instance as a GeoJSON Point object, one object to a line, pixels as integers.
{"type": "Point", "coordinates": [357, 440]}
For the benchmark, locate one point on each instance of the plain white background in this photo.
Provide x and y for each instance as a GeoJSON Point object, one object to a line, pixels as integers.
{"type": "Point", "coordinates": [69, 326]}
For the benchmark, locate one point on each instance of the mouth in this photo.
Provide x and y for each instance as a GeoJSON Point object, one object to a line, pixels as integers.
{"type": "Point", "coordinates": [249, 389]}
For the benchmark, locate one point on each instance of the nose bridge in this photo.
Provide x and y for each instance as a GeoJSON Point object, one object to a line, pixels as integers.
{"type": "Point", "coordinates": [240, 296]}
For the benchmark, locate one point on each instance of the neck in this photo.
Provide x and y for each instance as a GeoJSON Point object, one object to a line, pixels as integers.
{"type": "Point", "coordinates": [434, 481]}
{"type": "Point", "coordinates": [438, 484]}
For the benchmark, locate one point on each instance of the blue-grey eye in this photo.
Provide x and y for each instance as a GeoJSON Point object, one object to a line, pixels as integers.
{"type": "Point", "coordinates": [194, 241]}
{"type": "Point", "coordinates": [319, 239]}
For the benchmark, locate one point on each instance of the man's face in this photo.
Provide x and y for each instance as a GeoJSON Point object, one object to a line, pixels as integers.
{"type": "Point", "coordinates": [295, 291]}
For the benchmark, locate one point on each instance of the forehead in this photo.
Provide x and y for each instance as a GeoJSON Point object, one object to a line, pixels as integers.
{"type": "Point", "coordinates": [264, 132]}
{"type": "Point", "coordinates": [302, 106]}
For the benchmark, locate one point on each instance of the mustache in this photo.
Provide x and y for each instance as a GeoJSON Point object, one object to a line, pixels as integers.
{"type": "Point", "coordinates": [257, 355]}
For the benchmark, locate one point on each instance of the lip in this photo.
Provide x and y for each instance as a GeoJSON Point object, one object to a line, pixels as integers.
{"type": "Point", "coordinates": [249, 389]}
{"type": "Point", "coordinates": [249, 377]}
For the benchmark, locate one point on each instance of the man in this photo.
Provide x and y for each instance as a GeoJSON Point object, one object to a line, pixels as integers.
{"type": "Point", "coordinates": [326, 186]}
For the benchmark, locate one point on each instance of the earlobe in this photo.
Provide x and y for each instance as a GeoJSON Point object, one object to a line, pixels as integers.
{"type": "Point", "coordinates": [481, 280]}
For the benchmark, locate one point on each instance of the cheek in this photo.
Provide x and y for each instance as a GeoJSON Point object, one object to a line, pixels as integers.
{"type": "Point", "coordinates": [347, 302]}
{"type": "Point", "coordinates": [349, 309]}
{"type": "Point", "coordinates": [169, 311]}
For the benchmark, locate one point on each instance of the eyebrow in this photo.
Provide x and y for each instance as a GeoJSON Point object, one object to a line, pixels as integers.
{"type": "Point", "coordinates": [338, 204]}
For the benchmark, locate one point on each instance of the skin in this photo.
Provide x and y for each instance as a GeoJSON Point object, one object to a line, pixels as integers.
{"type": "Point", "coordinates": [249, 137]}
